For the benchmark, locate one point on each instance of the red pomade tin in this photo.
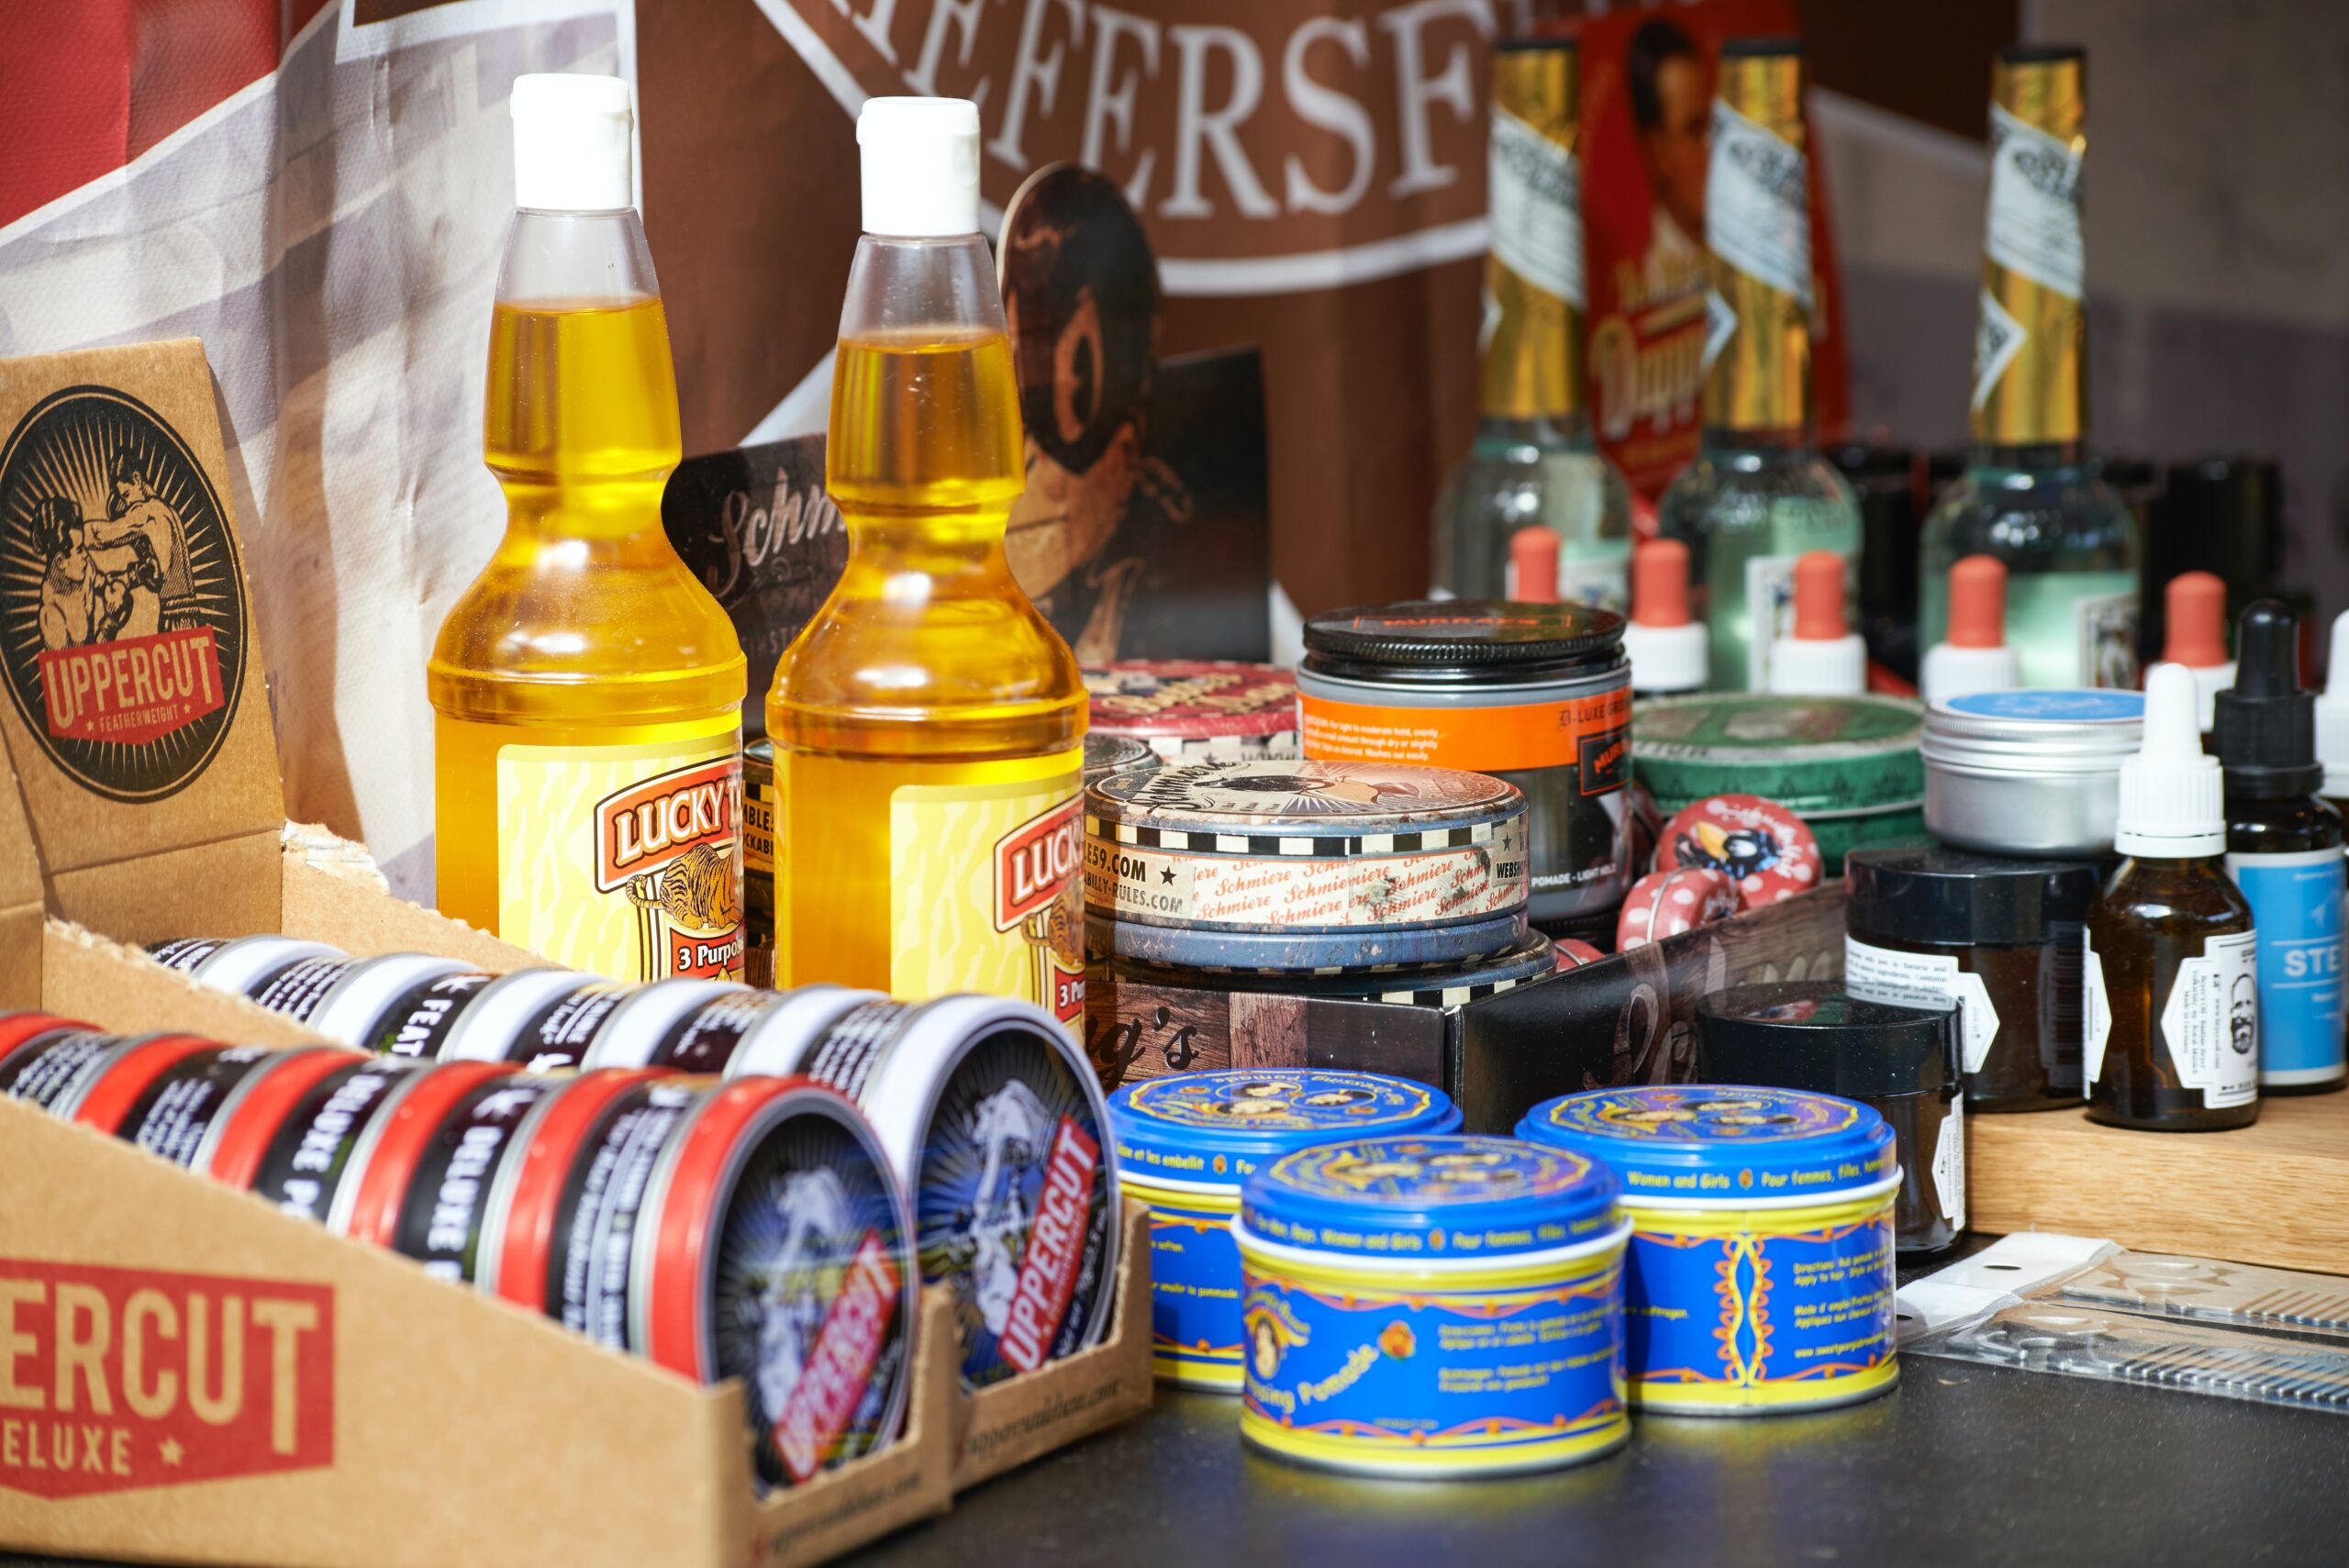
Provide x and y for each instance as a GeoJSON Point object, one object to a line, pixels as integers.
{"type": "Point", "coordinates": [1766, 852]}
{"type": "Point", "coordinates": [1195, 710]}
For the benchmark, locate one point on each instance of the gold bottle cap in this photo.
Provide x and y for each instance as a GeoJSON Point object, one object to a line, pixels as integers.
{"type": "Point", "coordinates": [1532, 364]}
{"type": "Point", "coordinates": [2030, 347]}
{"type": "Point", "coordinates": [1757, 231]}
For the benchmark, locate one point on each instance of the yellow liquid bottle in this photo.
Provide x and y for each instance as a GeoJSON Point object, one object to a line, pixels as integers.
{"type": "Point", "coordinates": [587, 690]}
{"type": "Point", "coordinates": [928, 723]}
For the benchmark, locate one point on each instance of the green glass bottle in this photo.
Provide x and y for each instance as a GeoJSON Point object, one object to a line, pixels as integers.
{"type": "Point", "coordinates": [1757, 495]}
{"type": "Point", "coordinates": [2031, 496]}
{"type": "Point", "coordinates": [1533, 463]}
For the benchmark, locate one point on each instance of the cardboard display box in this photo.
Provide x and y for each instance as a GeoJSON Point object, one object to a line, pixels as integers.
{"type": "Point", "coordinates": [1629, 1018]}
{"type": "Point", "coordinates": [196, 1377]}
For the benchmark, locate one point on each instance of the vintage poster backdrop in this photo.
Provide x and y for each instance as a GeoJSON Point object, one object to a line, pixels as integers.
{"type": "Point", "coordinates": [319, 190]}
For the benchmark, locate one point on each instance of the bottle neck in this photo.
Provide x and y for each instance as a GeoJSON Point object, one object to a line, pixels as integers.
{"type": "Point", "coordinates": [1760, 441]}
{"type": "Point", "coordinates": [2031, 346]}
{"type": "Point", "coordinates": [2031, 457]}
{"type": "Point", "coordinates": [580, 420]}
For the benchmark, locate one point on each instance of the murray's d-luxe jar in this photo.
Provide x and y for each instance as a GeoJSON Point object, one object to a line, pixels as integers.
{"type": "Point", "coordinates": [1186, 1144]}
{"type": "Point", "coordinates": [750, 1230]}
{"type": "Point", "coordinates": [1196, 710]}
{"type": "Point", "coordinates": [1422, 1306]}
{"type": "Point", "coordinates": [1847, 767]}
{"type": "Point", "coordinates": [1302, 865]}
{"type": "Point", "coordinates": [1999, 939]}
{"type": "Point", "coordinates": [1761, 1271]}
{"type": "Point", "coordinates": [1539, 694]}
{"type": "Point", "coordinates": [994, 1121]}
{"type": "Point", "coordinates": [2029, 772]}
{"type": "Point", "coordinates": [1900, 1061]}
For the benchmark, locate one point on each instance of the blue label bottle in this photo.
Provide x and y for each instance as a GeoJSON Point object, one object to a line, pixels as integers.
{"type": "Point", "coordinates": [2284, 850]}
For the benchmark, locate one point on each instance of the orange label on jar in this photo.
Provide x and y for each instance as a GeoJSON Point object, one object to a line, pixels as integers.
{"type": "Point", "coordinates": [1591, 733]}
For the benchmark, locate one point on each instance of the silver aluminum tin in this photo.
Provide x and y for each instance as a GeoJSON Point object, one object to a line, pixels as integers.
{"type": "Point", "coordinates": [2024, 786]}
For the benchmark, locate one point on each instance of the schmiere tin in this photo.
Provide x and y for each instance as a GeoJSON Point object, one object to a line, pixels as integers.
{"type": "Point", "coordinates": [1760, 1270]}
{"type": "Point", "coordinates": [1187, 1142]}
{"type": "Point", "coordinates": [1433, 1306]}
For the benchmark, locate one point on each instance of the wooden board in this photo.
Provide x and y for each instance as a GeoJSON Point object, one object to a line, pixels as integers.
{"type": "Point", "coordinates": [2276, 1192]}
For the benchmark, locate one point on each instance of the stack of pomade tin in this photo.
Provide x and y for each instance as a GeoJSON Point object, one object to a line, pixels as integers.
{"type": "Point", "coordinates": [1389, 1296]}
{"type": "Point", "coordinates": [488, 1122]}
{"type": "Point", "coordinates": [1349, 879]}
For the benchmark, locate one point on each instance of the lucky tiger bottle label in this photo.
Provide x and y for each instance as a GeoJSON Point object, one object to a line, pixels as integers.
{"type": "Point", "coordinates": [984, 888]}
{"type": "Point", "coordinates": [625, 861]}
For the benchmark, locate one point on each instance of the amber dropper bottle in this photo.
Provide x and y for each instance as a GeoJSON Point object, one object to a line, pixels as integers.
{"type": "Point", "coordinates": [2172, 979]}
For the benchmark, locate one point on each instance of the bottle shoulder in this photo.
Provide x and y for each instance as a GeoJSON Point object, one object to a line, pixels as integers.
{"type": "Point", "coordinates": [2283, 826]}
{"type": "Point", "coordinates": [2171, 898]}
{"type": "Point", "coordinates": [1747, 487]}
{"type": "Point", "coordinates": [2015, 511]}
{"type": "Point", "coordinates": [569, 609]}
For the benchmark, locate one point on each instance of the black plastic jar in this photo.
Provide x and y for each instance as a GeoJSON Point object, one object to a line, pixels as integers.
{"type": "Point", "coordinates": [2000, 939]}
{"type": "Point", "coordinates": [1901, 1062]}
{"type": "Point", "coordinates": [1539, 694]}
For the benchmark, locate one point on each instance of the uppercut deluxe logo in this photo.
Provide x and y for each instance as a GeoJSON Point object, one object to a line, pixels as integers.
{"type": "Point", "coordinates": [122, 604]}
{"type": "Point", "coordinates": [115, 1379]}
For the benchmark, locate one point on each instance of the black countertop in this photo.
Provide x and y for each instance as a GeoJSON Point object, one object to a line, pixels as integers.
{"type": "Point", "coordinates": [1958, 1464]}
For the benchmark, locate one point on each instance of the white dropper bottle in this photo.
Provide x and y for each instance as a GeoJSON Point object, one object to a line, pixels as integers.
{"type": "Point", "coordinates": [1976, 656]}
{"type": "Point", "coordinates": [1824, 658]}
{"type": "Point", "coordinates": [2172, 794]}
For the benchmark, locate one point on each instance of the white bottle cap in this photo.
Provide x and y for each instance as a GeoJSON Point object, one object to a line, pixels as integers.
{"type": "Point", "coordinates": [2209, 680]}
{"type": "Point", "coordinates": [921, 166]}
{"type": "Point", "coordinates": [1949, 671]}
{"type": "Point", "coordinates": [571, 143]}
{"type": "Point", "coordinates": [2332, 714]}
{"type": "Point", "coordinates": [2173, 796]}
{"type": "Point", "coordinates": [1667, 659]}
{"type": "Point", "coordinates": [1820, 666]}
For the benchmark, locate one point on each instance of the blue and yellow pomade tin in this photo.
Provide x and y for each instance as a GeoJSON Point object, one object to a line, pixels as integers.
{"type": "Point", "coordinates": [1433, 1307]}
{"type": "Point", "coordinates": [1760, 1277]}
{"type": "Point", "coordinates": [1186, 1144]}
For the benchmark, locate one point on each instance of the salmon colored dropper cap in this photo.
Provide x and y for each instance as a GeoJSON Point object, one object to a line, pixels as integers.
{"type": "Point", "coordinates": [1533, 552]}
{"type": "Point", "coordinates": [1819, 596]}
{"type": "Point", "coordinates": [1660, 583]}
{"type": "Point", "coordinates": [2195, 619]}
{"type": "Point", "coordinates": [1977, 602]}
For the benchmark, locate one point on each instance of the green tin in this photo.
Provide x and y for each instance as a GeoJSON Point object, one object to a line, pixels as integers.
{"type": "Point", "coordinates": [1848, 766]}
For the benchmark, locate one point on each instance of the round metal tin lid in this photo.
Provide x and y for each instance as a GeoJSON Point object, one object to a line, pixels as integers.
{"type": "Point", "coordinates": [1429, 1196]}
{"type": "Point", "coordinates": [1338, 805]}
{"type": "Point", "coordinates": [1815, 756]}
{"type": "Point", "coordinates": [1464, 634]}
{"type": "Point", "coordinates": [2084, 722]}
{"type": "Point", "coordinates": [1191, 699]}
{"type": "Point", "coordinates": [1703, 1140]}
{"type": "Point", "coordinates": [1218, 1127]}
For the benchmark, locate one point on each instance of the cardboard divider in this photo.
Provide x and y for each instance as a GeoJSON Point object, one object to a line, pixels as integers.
{"type": "Point", "coordinates": [1001, 1428]}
